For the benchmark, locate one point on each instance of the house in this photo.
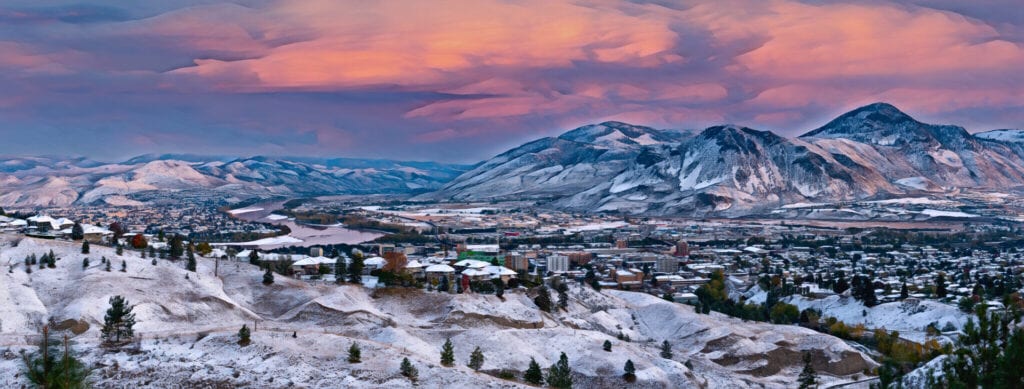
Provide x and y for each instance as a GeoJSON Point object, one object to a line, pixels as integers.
{"type": "Point", "coordinates": [311, 266]}
{"type": "Point", "coordinates": [436, 272]}
{"type": "Point", "coordinates": [373, 263]}
{"type": "Point", "coordinates": [501, 272]}
{"type": "Point", "coordinates": [416, 269]}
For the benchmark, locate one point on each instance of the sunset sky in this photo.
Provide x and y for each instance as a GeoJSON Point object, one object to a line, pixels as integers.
{"type": "Point", "coordinates": [460, 81]}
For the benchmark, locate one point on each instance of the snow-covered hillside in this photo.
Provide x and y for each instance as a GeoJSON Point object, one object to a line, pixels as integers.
{"type": "Point", "coordinates": [41, 181]}
{"type": "Point", "coordinates": [189, 326]}
{"type": "Point", "coordinates": [875, 151]}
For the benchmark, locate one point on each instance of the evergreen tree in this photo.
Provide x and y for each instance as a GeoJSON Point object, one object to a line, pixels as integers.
{"type": "Point", "coordinates": [177, 246]}
{"type": "Point", "coordinates": [563, 295]}
{"type": "Point", "coordinates": [607, 346]}
{"type": "Point", "coordinates": [904, 293]}
{"type": "Point", "coordinates": [77, 233]}
{"type": "Point", "coordinates": [666, 350]}
{"type": "Point", "coordinates": [254, 257]}
{"type": "Point", "coordinates": [808, 378]}
{"type": "Point", "coordinates": [44, 370]}
{"type": "Point", "coordinates": [152, 251]}
{"type": "Point", "coordinates": [629, 371]}
{"type": "Point", "coordinates": [448, 353]}
{"type": "Point", "coordinates": [118, 322]}
{"type": "Point", "coordinates": [340, 270]}
{"type": "Point", "coordinates": [499, 288]}
{"type": "Point", "coordinates": [153, 262]}
{"type": "Point", "coordinates": [118, 249]}
{"type": "Point", "coordinates": [191, 264]}
{"type": "Point", "coordinates": [268, 277]}
{"type": "Point", "coordinates": [85, 247]}
{"type": "Point", "coordinates": [840, 285]}
{"type": "Point", "coordinates": [124, 266]}
{"type": "Point", "coordinates": [408, 370]}
{"type": "Point", "coordinates": [354, 355]}
{"type": "Point", "coordinates": [560, 375]}
{"type": "Point", "coordinates": [51, 261]}
{"type": "Point", "coordinates": [940, 285]}
{"type": "Point", "coordinates": [543, 299]}
{"type": "Point", "coordinates": [668, 297]}
{"type": "Point", "coordinates": [107, 266]}
{"type": "Point", "coordinates": [244, 335]}
{"type": "Point", "coordinates": [476, 359]}
{"type": "Point", "coordinates": [355, 269]}
{"type": "Point", "coordinates": [85, 262]}
{"type": "Point", "coordinates": [533, 374]}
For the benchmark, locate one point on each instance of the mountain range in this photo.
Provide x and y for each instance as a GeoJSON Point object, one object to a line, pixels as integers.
{"type": "Point", "coordinates": [872, 152]}
{"type": "Point", "coordinates": [55, 182]}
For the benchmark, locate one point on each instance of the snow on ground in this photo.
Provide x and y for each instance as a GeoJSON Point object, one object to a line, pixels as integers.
{"type": "Point", "coordinates": [189, 327]}
{"type": "Point", "coordinates": [276, 217]}
{"type": "Point", "coordinates": [277, 240]}
{"type": "Point", "coordinates": [244, 210]}
{"type": "Point", "coordinates": [910, 201]}
{"type": "Point", "coordinates": [596, 226]}
{"type": "Point", "coordinates": [908, 317]}
{"type": "Point", "coordinates": [938, 213]}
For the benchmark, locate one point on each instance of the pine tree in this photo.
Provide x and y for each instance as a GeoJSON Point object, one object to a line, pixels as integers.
{"type": "Point", "coordinates": [560, 375]}
{"type": "Point", "coordinates": [904, 293]}
{"type": "Point", "coordinates": [85, 247]}
{"type": "Point", "coordinates": [107, 267]}
{"type": "Point", "coordinates": [533, 374]}
{"type": "Point", "coordinates": [44, 370]}
{"type": "Point", "coordinates": [355, 269]}
{"type": "Point", "coordinates": [177, 246]}
{"type": "Point", "coordinates": [408, 370]}
{"type": "Point", "coordinates": [124, 266]}
{"type": "Point", "coordinates": [152, 251]}
{"type": "Point", "coordinates": [77, 233]}
{"type": "Point", "coordinates": [119, 249]}
{"type": "Point", "coordinates": [543, 299]}
{"type": "Point", "coordinates": [607, 346]}
{"type": "Point", "coordinates": [476, 359]}
{"type": "Point", "coordinates": [629, 371]}
{"type": "Point", "coordinates": [118, 322]}
{"type": "Point", "coordinates": [191, 264]}
{"type": "Point", "coordinates": [85, 262]}
{"type": "Point", "coordinates": [808, 378]}
{"type": "Point", "coordinates": [940, 285]}
{"type": "Point", "coordinates": [448, 353]}
{"type": "Point", "coordinates": [254, 257]}
{"type": "Point", "coordinates": [666, 350]}
{"type": "Point", "coordinates": [563, 295]}
{"type": "Point", "coordinates": [268, 277]}
{"type": "Point", "coordinates": [153, 262]}
{"type": "Point", "coordinates": [354, 354]}
{"type": "Point", "coordinates": [244, 335]}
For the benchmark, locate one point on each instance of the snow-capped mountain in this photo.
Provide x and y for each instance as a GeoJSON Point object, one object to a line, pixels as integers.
{"type": "Point", "coordinates": [48, 181]}
{"type": "Point", "coordinates": [553, 167]}
{"type": "Point", "coordinates": [875, 151]}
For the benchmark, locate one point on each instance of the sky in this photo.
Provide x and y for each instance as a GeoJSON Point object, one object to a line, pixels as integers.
{"type": "Point", "coordinates": [460, 81]}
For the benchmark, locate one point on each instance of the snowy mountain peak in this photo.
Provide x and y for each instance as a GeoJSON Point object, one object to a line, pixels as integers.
{"type": "Point", "coordinates": [882, 124]}
{"type": "Point", "coordinates": [614, 134]}
{"type": "Point", "coordinates": [1003, 135]}
{"type": "Point", "coordinates": [732, 137]}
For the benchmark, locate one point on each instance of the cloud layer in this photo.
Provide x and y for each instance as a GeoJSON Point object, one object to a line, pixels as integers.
{"type": "Point", "coordinates": [462, 80]}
